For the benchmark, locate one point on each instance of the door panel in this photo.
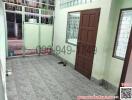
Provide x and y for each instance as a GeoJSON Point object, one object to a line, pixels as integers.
{"type": "Point", "coordinates": [31, 38]}
{"type": "Point", "coordinates": [87, 41]}
{"type": "Point", "coordinates": [46, 32]}
{"type": "Point", "coordinates": [46, 35]}
{"type": "Point", "coordinates": [31, 35]}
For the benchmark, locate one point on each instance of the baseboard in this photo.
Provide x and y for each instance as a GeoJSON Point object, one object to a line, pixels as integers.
{"type": "Point", "coordinates": [105, 84]}
{"type": "Point", "coordinates": [96, 81]}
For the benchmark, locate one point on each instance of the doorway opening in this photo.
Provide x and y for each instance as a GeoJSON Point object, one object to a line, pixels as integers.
{"type": "Point", "coordinates": [14, 34]}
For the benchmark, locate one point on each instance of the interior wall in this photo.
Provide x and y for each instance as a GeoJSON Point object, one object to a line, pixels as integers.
{"type": "Point", "coordinates": [60, 26]}
{"type": "Point", "coordinates": [2, 53]}
{"type": "Point", "coordinates": [113, 72]}
{"type": "Point", "coordinates": [32, 33]}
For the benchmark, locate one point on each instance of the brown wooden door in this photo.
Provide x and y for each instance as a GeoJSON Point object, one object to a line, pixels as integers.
{"type": "Point", "coordinates": [87, 41]}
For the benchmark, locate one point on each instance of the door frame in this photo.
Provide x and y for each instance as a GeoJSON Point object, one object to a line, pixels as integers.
{"type": "Point", "coordinates": [99, 9]}
{"type": "Point", "coordinates": [126, 62]}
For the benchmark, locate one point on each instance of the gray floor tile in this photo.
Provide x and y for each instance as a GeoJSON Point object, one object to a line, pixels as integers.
{"type": "Point", "coordinates": [41, 78]}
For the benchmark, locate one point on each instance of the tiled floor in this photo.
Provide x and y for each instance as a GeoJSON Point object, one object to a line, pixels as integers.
{"type": "Point", "coordinates": [41, 78]}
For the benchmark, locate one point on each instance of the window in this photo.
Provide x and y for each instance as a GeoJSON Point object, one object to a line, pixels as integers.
{"type": "Point", "coordinates": [13, 7]}
{"type": "Point", "coordinates": [44, 4]}
{"type": "Point", "coordinates": [31, 18]}
{"type": "Point", "coordinates": [72, 27]}
{"type": "Point", "coordinates": [123, 33]}
{"type": "Point", "coordinates": [69, 3]}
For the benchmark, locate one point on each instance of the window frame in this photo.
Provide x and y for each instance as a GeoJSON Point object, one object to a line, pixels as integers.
{"type": "Point", "coordinates": [66, 40]}
{"type": "Point", "coordinates": [117, 34]}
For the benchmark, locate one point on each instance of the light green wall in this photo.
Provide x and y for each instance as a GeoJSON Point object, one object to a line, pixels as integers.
{"type": "Point", "coordinates": [60, 33]}
{"type": "Point", "coordinates": [114, 66]}
{"type": "Point", "coordinates": [32, 35]}
{"type": "Point", "coordinates": [112, 27]}
{"type": "Point", "coordinates": [2, 54]}
{"type": "Point", "coordinates": [126, 4]}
